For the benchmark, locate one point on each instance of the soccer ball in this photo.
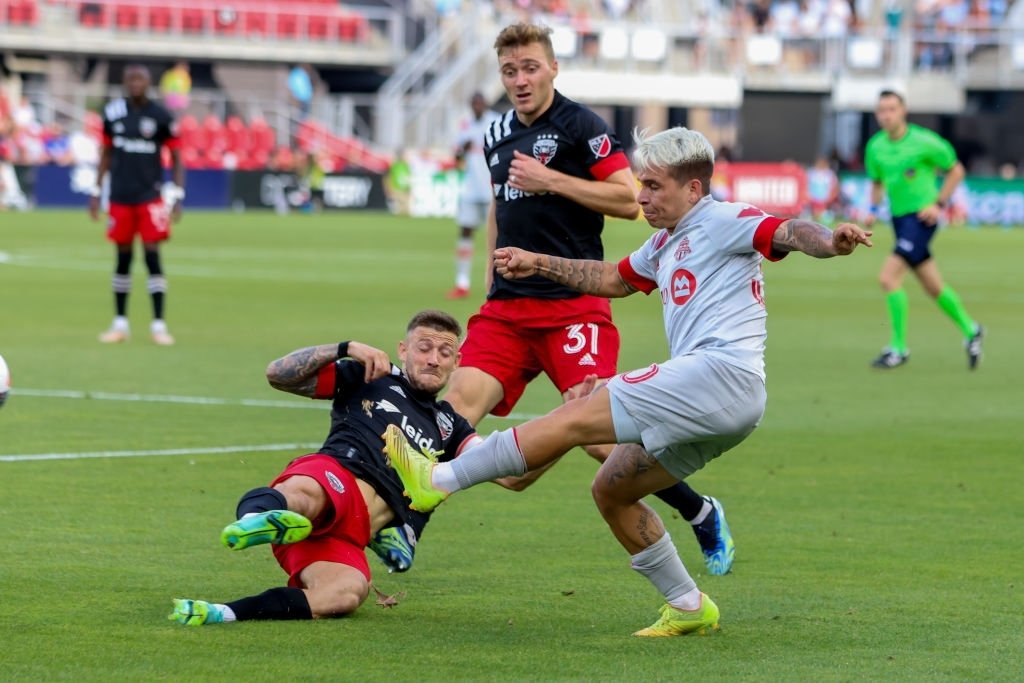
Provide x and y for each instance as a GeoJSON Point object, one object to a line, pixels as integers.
{"type": "Point", "coordinates": [5, 381]}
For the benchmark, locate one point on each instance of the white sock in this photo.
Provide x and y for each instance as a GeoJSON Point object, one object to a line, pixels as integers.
{"type": "Point", "coordinates": [158, 326]}
{"type": "Point", "coordinates": [498, 456]}
{"type": "Point", "coordinates": [660, 564]}
{"type": "Point", "coordinates": [120, 323]}
{"type": "Point", "coordinates": [227, 614]}
{"type": "Point", "coordinates": [702, 515]}
{"type": "Point", "coordinates": [463, 261]}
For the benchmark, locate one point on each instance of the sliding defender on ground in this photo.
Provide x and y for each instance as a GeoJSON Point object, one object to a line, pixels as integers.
{"type": "Point", "coordinates": [671, 418]}
{"type": "Point", "coordinates": [322, 511]}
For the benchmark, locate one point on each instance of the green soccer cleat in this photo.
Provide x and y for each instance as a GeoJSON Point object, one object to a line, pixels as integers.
{"type": "Point", "coordinates": [396, 547]}
{"type": "Point", "coordinates": [676, 622]}
{"type": "Point", "coordinates": [196, 612]}
{"type": "Point", "coordinates": [279, 527]}
{"type": "Point", "coordinates": [413, 468]}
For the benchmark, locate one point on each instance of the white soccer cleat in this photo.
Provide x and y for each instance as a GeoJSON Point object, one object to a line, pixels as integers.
{"type": "Point", "coordinates": [158, 332]}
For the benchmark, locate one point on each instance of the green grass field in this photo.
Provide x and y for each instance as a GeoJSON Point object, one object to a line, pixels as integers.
{"type": "Point", "coordinates": [879, 517]}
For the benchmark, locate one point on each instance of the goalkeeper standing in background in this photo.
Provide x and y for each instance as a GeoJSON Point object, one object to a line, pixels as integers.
{"type": "Point", "coordinates": [904, 160]}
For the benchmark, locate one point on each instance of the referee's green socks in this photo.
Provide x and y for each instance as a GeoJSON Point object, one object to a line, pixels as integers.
{"type": "Point", "coordinates": [949, 302]}
{"type": "Point", "coordinates": [899, 307]}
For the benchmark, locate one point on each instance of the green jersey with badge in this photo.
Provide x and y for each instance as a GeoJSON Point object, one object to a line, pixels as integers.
{"type": "Point", "coordinates": [908, 167]}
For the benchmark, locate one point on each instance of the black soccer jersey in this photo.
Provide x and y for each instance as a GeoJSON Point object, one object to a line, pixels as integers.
{"type": "Point", "coordinates": [568, 138]}
{"type": "Point", "coordinates": [135, 136]}
{"type": "Point", "coordinates": [360, 414]}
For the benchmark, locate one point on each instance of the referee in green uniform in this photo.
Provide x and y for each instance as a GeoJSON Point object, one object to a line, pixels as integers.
{"type": "Point", "coordinates": [904, 160]}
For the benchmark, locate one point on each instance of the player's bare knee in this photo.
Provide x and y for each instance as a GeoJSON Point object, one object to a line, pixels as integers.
{"type": "Point", "coordinates": [337, 600]}
{"type": "Point", "coordinates": [599, 453]}
{"type": "Point", "coordinates": [304, 495]}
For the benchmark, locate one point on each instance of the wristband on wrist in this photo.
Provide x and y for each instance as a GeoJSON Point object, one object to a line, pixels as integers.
{"type": "Point", "coordinates": [343, 349]}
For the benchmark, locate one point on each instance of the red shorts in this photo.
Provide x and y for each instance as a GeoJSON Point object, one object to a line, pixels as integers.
{"type": "Point", "coordinates": [151, 221]}
{"type": "Point", "coordinates": [344, 532]}
{"type": "Point", "coordinates": [514, 340]}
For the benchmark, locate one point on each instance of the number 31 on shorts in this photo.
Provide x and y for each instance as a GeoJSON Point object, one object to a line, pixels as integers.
{"type": "Point", "coordinates": [577, 338]}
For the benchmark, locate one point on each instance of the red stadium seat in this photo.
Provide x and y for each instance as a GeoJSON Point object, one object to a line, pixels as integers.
{"type": "Point", "coordinates": [160, 19]}
{"type": "Point", "coordinates": [213, 134]}
{"type": "Point", "coordinates": [261, 136]}
{"type": "Point", "coordinates": [318, 27]}
{"type": "Point", "coordinates": [287, 25]}
{"type": "Point", "coordinates": [126, 17]}
{"type": "Point", "coordinates": [255, 22]}
{"type": "Point", "coordinates": [193, 20]}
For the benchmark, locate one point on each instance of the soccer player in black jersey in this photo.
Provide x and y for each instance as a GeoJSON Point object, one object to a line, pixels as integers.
{"type": "Point", "coordinates": [135, 129]}
{"type": "Point", "coordinates": [322, 510]}
{"type": "Point", "coordinates": [556, 170]}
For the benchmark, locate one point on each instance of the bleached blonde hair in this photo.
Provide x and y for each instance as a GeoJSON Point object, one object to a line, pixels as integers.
{"type": "Point", "coordinates": [685, 154]}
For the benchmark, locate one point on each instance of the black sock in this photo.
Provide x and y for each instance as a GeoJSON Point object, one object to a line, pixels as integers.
{"type": "Point", "coordinates": [122, 282]}
{"type": "Point", "coordinates": [261, 500]}
{"type": "Point", "coordinates": [684, 499]}
{"type": "Point", "coordinates": [157, 283]}
{"type": "Point", "coordinates": [277, 603]}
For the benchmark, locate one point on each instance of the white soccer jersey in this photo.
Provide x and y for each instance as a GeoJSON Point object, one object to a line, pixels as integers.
{"type": "Point", "coordinates": [476, 183]}
{"type": "Point", "coordinates": [708, 271]}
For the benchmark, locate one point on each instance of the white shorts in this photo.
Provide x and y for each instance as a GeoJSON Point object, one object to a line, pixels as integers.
{"type": "Point", "coordinates": [472, 214]}
{"type": "Point", "coordinates": [688, 410]}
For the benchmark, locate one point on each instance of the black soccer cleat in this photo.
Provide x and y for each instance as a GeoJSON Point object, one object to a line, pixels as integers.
{"type": "Point", "coordinates": [973, 346]}
{"type": "Point", "coordinates": [890, 359]}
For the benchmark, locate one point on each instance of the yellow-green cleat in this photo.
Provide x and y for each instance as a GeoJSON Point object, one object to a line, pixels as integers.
{"type": "Point", "coordinates": [195, 612]}
{"type": "Point", "coordinates": [279, 527]}
{"type": "Point", "coordinates": [413, 468]}
{"type": "Point", "coordinates": [676, 622]}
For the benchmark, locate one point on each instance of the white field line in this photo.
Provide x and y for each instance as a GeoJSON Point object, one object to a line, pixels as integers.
{"type": "Point", "coordinates": [194, 400]}
{"type": "Point", "coordinates": [151, 453]}
{"type": "Point", "coordinates": [202, 400]}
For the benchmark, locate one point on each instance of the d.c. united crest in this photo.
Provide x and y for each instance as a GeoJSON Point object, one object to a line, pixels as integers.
{"type": "Point", "coordinates": [147, 127]}
{"type": "Point", "coordinates": [544, 150]}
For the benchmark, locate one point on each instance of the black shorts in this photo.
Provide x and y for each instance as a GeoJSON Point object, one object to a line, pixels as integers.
{"type": "Point", "coordinates": [912, 239]}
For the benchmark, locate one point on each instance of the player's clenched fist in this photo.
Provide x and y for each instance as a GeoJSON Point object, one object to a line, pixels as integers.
{"type": "Point", "coordinates": [513, 263]}
{"type": "Point", "coordinates": [847, 236]}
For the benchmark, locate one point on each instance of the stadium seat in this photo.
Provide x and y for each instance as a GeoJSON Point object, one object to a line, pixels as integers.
{"type": "Point", "coordinates": [212, 134]}
{"type": "Point", "coordinates": [193, 20]}
{"type": "Point", "coordinates": [160, 19]}
{"type": "Point", "coordinates": [226, 20]}
{"type": "Point", "coordinates": [255, 22]}
{"type": "Point", "coordinates": [126, 17]}
{"type": "Point", "coordinates": [236, 137]}
{"type": "Point", "coordinates": [318, 27]}
{"type": "Point", "coordinates": [262, 138]}
{"type": "Point", "coordinates": [92, 15]}
{"type": "Point", "coordinates": [287, 25]}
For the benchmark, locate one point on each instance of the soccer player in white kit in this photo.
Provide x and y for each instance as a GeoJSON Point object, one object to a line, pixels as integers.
{"type": "Point", "coordinates": [475, 192]}
{"type": "Point", "coordinates": [671, 418]}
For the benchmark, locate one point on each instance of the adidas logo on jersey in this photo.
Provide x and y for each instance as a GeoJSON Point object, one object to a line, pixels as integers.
{"type": "Point", "coordinates": [493, 161]}
{"type": "Point", "coordinates": [387, 406]}
{"type": "Point", "coordinates": [587, 359]}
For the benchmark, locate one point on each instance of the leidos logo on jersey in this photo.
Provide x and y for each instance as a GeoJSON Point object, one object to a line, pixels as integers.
{"type": "Point", "coordinates": [545, 148]}
{"type": "Point", "coordinates": [600, 146]}
{"type": "Point", "coordinates": [417, 437]}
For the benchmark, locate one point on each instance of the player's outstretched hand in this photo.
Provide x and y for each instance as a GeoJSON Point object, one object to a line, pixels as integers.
{"type": "Point", "coordinates": [847, 236]}
{"type": "Point", "coordinates": [512, 263]}
{"type": "Point", "coordinates": [376, 362]}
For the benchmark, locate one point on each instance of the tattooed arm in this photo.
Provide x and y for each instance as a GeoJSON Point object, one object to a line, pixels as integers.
{"type": "Point", "coordinates": [297, 373]}
{"type": "Point", "coordinates": [599, 278]}
{"type": "Point", "coordinates": [817, 240]}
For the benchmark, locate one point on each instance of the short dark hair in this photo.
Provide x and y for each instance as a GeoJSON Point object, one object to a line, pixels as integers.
{"type": "Point", "coordinates": [892, 93]}
{"type": "Point", "coordinates": [521, 35]}
{"type": "Point", "coordinates": [435, 320]}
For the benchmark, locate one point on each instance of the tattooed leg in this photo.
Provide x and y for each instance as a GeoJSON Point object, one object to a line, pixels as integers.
{"type": "Point", "coordinates": [623, 480]}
